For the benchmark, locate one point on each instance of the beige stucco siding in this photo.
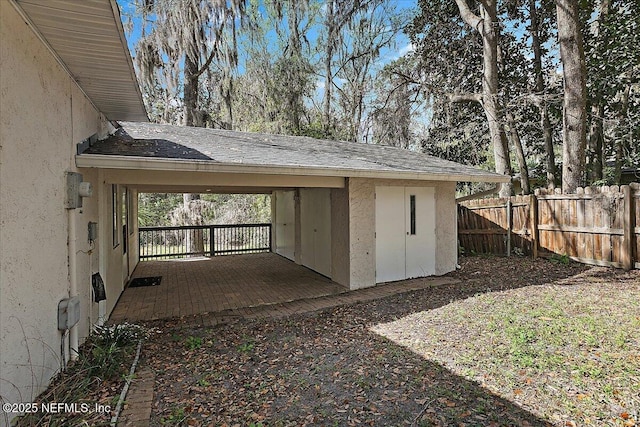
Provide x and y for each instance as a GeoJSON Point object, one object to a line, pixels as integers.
{"type": "Point", "coordinates": [446, 228]}
{"type": "Point", "coordinates": [87, 258]}
{"type": "Point", "coordinates": [111, 261]}
{"type": "Point", "coordinates": [42, 115]}
{"type": "Point", "coordinates": [340, 236]}
{"type": "Point", "coordinates": [362, 244]}
{"type": "Point", "coordinates": [134, 249]}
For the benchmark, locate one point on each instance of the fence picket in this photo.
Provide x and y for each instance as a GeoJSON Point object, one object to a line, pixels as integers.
{"type": "Point", "coordinates": [596, 225]}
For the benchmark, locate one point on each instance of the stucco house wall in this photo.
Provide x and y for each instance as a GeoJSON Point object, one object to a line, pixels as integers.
{"type": "Point", "coordinates": [43, 115]}
{"type": "Point", "coordinates": [112, 262]}
{"type": "Point", "coordinates": [353, 225]}
{"type": "Point", "coordinates": [446, 228]}
{"type": "Point", "coordinates": [362, 225]}
{"type": "Point", "coordinates": [134, 249]}
{"type": "Point", "coordinates": [340, 236]}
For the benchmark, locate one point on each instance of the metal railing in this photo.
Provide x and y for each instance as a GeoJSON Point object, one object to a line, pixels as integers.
{"type": "Point", "coordinates": [203, 240]}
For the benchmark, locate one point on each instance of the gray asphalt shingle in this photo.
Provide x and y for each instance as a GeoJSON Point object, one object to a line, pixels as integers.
{"type": "Point", "coordinates": [279, 151]}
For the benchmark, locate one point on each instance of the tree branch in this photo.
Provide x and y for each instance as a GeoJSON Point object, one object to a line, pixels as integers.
{"type": "Point", "coordinates": [468, 16]}
{"type": "Point", "coordinates": [407, 78]}
{"type": "Point", "coordinates": [465, 97]}
{"type": "Point", "coordinates": [206, 64]}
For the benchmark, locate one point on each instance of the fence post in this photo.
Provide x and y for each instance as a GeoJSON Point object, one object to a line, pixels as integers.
{"type": "Point", "coordinates": [270, 237]}
{"type": "Point", "coordinates": [628, 228]}
{"type": "Point", "coordinates": [533, 217]}
{"type": "Point", "coordinates": [509, 225]}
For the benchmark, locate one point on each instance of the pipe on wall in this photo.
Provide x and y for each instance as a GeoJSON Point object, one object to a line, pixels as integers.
{"type": "Point", "coordinates": [73, 281]}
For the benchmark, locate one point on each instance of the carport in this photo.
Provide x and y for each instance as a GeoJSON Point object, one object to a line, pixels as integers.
{"type": "Point", "coordinates": [358, 214]}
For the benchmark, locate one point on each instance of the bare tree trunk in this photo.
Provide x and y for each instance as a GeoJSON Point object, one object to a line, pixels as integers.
{"type": "Point", "coordinates": [541, 103]}
{"type": "Point", "coordinates": [575, 95]}
{"type": "Point", "coordinates": [594, 159]}
{"type": "Point", "coordinates": [619, 141]}
{"type": "Point", "coordinates": [190, 91]}
{"type": "Point", "coordinates": [295, 47]}
{"type": "Point", "coordinates": [328, 55]}
{"type": "Point", "coordinates": [595, 140]}
{"type": "Point", "coordinates": [228, 104]}
{"type": "Point", "coordinates": [328, 82]}
{"type": "Point", "coordinates": [522, 162]}
{"type": "Point", "coordinates": [552, 170]}
{"type": "Point", "coordinates": [487, 25]}
{"type": "Point", "coordinates": [194, 238]}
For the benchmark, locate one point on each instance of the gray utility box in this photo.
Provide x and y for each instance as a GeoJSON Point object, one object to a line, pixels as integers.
{"type": "Point", "coordinates": [68, 313]}
{"type": "Point", "coordinates": [76, 190]}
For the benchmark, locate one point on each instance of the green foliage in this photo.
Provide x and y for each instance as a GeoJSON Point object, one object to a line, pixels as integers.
{"type": "Point", "coordinates": [522, 340]}
{"type": "Point", "coordinates": [613, 66]}
{"type": "Point", "coordinates": [107, 347]}
{"type": "Point", "coordinates": [193, 343]}
{"type": "Point", "coordinates": [176, 417]}
{"type": "Point", "coordinates": [157, 209]}
{"type": "Point", "coordinates": [154, 208]}
{"type": "Point", "coordinates": [313, 130]}
{"type": "Point", "coordinates": [247, 346]}
{"type": "Point", "coordinates": [105, 356]}
{"type": "Point", "coordinates": [203, 382]}
{"type": "Point", "coordinates": [560, 259]}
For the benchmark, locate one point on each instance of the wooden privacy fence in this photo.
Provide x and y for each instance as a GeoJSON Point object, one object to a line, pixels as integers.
{"type": "Point", "coordinates": [597, 225]}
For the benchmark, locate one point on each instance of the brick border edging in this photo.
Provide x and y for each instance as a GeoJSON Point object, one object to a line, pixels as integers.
{"type": "Point", "coordinates": [308, 305]}
{"type": "Point", "coordinates": [138, 402]}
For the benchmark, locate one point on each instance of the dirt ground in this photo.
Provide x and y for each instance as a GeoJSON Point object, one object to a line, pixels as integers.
{"type": "Point", "coordinates": [329, 367]}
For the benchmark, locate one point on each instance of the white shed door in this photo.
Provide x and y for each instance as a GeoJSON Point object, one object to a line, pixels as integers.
{"type": "Point", "coordinates": [390, 238]}
{"type": "Point", "coordinates": [285, 224]}
{"type": "Point", "coordinates": [420, 223]}
{"type": "Point", "coordinates": [405, 233]}
{"type": "Point", "coordinates": [315, 224]}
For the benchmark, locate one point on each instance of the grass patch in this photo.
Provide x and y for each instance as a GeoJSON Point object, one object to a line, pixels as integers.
{"type": "Point", "coordinates": [567, 352]}
{"type": "Point", "coordinates": [193, 343]}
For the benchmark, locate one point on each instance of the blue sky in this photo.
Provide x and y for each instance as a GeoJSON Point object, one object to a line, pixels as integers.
{"type": "Point", "coordinates": [398, 48]}
{"type": "Point", "coordinates": [401, 45]}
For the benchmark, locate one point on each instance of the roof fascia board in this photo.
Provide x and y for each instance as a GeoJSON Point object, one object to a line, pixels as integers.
{"type": "Point", "coordinates": [221, 179]}
{"type": "Point", "coordinates": [145, 163]}
{"type": "Point", "coordinates": [44, 41]}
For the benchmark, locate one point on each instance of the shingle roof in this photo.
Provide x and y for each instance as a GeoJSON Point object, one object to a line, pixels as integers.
{"type": "Point", "coordinates": [147, 142]}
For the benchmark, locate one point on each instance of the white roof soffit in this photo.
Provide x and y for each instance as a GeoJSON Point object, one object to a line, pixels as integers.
{"type": "Point", "coordinates": [87, 39]}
